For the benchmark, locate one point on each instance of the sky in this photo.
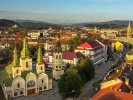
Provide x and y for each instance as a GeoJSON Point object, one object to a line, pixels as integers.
{"type": "Point", "coordinates": [67, 11]}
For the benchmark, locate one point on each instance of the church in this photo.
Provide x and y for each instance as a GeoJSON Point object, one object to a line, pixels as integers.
{"type": "Point", "coordinates": [129, 30]}
{"type": "Point", "coordinates": [22, 77]}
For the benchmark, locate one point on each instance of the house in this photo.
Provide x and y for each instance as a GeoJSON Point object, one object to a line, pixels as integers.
{"type": "Point", "coordinates": [117, 45]}
{"type": "Point", "coordinates": [71, 58]}
{"type": "Point", "coordinates": [93, 50]}
{"type": "Point", "coordinates": [49, 45]}
{"type": "Point", "coordinates": [114, 90]}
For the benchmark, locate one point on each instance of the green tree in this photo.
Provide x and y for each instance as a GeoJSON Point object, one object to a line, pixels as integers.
{"type": "Point", "coordinates": [74, 42]}
{"type": "Point", "coordinates": [70, 81]}
{"type": "Point", "coordinates": [86, 69]}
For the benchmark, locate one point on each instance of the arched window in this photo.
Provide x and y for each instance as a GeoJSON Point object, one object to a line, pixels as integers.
{"type": "Point", "coordinates": [40, 88]}
{"type": "Point", "coordinates": [42, 81]}
{"type": "Point", "coordinates": [15, 94]}
{"type": "Point", "coordinates": [56, 56]}
{"type": "Point", "coordinates": [18, 85]}
{"type": "Point", "coordinates": [41, 68]}
{"type": "Point", "coordinates": [26, 64]}
{"type": "Point", "coordinates": [21, 92]}
{"type": "Point", "coordinates": [17, 71]}
{"type": "Point", "coordinates": [45, 87]}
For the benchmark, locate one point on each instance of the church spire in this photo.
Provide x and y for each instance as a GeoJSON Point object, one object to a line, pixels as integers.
{"type": "Point", "coordinates": [39, 57]}
{"type": "Point", "coordinates": [25, 50]}
{"type": "Point", "coordinates": [58, 45]}
{"type": "Point", "coordinates": [129, 30]}
{"type": "Point", "coordinates": [15, 57]}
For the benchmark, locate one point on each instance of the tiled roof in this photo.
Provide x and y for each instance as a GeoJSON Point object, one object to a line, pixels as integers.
{"type": "Point", "coordinates": [89, 45]}
{"type": "Point", "coordinates": [65, 55]}
{"type": "Point", "coordinates": [53, 42]}
{"type": "Point", "coordinates": [113, 93]}
{"type": "Point", "coordinates": [69, 55]}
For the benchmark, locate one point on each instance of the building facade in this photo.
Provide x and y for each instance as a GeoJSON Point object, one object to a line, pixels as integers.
{"type": "Point", "coordinates": [93, 50]}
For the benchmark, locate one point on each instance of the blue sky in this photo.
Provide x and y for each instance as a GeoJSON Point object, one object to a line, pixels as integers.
{"type": "Point", "coordinates": [67, 11]}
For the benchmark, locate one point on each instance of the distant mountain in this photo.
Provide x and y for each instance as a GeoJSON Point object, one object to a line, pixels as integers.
{"type": "Point", "coordinates": [112, 24]}
{"type": "Point", "coordinates": [4, 23]}
{"type": "Point", "coordinates": [35, 24]}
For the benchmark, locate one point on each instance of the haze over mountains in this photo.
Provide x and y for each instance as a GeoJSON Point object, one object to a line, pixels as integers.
{"type": "Point", "coordinates": [37, 24]}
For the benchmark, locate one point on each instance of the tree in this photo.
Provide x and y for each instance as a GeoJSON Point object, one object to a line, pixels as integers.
{"type": "Point", "coordinates": [86, 69]}
{"type": "Point", "coordinates": [74, 42]}
{"type": "Point", "coordinates": [70, 81]}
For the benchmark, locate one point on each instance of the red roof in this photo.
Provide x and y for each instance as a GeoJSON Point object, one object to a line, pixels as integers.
{"type": "Point", "coordinates": [89, 45]}
{"type": "Point", "coordinates": [65, 55]}
{"type": "Point", "coordinates": [113, 93]}
{"type": "Point", "coordinates": [69, 55]}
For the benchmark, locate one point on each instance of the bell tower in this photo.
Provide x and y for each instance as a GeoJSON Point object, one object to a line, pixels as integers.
{"type": "Point", "coordinates": [25, 60]}
{"type": "Point", "coordinates": [40, 65]}
{"type": "Point", "coordinates": [16, 69]}
{"type": "Point", "coordinates": [57, 60]}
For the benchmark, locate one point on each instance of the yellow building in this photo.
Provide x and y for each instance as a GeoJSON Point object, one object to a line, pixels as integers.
{"type": "Point", "coordinates": [118, 46]}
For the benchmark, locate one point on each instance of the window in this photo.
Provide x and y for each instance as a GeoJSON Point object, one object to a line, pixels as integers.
{"type": "Point", "coordinates": [26, 64]}
{"type": "Point", "coordinates": [56, 66]}
{"type": "Point", "coordinates": [60, 57]}
{"type": "Point", "coordinates": [18, 85]}
{"type": "Point", "coordinates": [42, 81]}
{"type": "Point", "coordinates": [15, 94]}
{"type": "Point", "coordinates": [40, 88]}
{"type": "Point", "coordinates": [56, 56]}
{"type": "Point", "coordinates": [17, 71]}
{"type": "Point", "coordinates": [41, 68]}
{"type": "Point", "coordinates": [21, 92]}
{"type": "Point", "coordinates": [45, 87]}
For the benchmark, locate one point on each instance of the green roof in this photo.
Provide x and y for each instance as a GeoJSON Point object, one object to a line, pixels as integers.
{"type": "Point", "coordinates": [25, 51]}
{"type": "Point", "coordinates": [39, 56]}
{"type": "Point", "coordinates": [49, 73]}
{"type": "Point", "coordinates": [4, 77]}
{"type": "Point", "coordinates": [15, 58]}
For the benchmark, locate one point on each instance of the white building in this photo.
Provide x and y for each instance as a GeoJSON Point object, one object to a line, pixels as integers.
{"type": "Point", "coordinates": [36, 34]}
{"type": "Point", "coordinates": [93, 50]}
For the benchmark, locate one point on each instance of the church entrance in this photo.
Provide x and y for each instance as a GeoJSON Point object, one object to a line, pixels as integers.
{"type": "Point", "coordinates": [31, 91]}
{"type": "Point", "coordinates": [31, 87]}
